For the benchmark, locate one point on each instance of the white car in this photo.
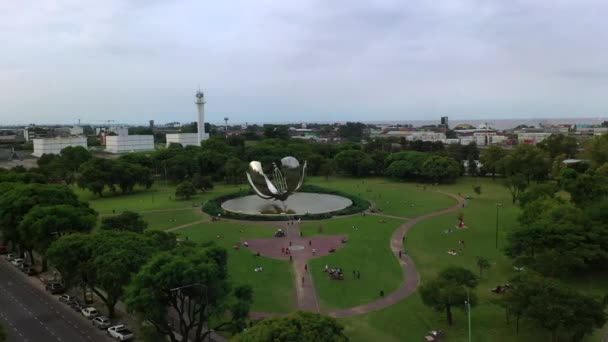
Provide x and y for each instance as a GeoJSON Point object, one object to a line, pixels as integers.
{"type": "Point", "coordinates": [17, 262]}
{"type": "Point", "coordinates": [11, 256]}
{"type": "Point", "coordinates": [89, 312]}
{"type": "Point", "coordinates": [120, 332]}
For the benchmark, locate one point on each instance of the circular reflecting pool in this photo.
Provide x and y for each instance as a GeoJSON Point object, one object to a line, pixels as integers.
{"type": "Point", "coordinates": [299, 203]}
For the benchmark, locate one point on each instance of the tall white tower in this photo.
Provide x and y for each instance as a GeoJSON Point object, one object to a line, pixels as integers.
{"type": "Point", "coordinates": [200, 105]}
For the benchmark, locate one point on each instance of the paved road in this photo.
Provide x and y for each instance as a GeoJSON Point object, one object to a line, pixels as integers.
{"type": "Point", "coordinates": [31, 314]}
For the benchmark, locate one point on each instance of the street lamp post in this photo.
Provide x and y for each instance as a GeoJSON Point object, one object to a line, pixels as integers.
{"type": "Point", "coordinates": [468, 305]}
{"type": "Point", "coordinates": [498, 206]}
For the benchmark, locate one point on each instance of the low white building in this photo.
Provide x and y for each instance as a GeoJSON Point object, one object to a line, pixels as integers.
{"type": "Point", "coordinates": [129, 143]}
{"type": "Point", "coordinates": [184, 139]}
{"type": "Point", "coordinates": [425, 136]}
{"type": "Point", "coordinates": [55, 145]}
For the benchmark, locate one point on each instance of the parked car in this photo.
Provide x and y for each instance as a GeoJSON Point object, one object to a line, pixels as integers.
{"type": "Point", "coordinates": [75, 304]}
{"type": "Point", "coordinates": [55, 287]}
{"type": "Point", "coordinates": [11, 256]}
{"type": "Point", "coordinates": [65, 298]}
{"type": "Point", "coordinates": [30, 271]}
{"type": "Point", "coordinates": [101, 322]}
{"type": "Point", "coordinates": [24, 266]}
{"type": "Point", "coordinates": [89, 312]}
{"type": "Point", "coordinates": [17, 262]}
{"type": "Point", "coordinates": [121, 333]}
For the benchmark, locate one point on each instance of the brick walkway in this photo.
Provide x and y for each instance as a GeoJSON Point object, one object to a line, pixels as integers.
{"type": "Point", "coordinates": [305, 291]}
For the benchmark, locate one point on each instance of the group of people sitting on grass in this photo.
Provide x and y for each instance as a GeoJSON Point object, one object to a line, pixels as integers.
{"type": "Point", "coordinates": [258, 269]}
{"type": "Point", "coordinates": [461, 247]}
{"type": "Point", "coordinates": [334, 273]}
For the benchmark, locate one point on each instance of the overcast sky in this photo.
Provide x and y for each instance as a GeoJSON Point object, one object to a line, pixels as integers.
{"type": "Point", "coordinates": [276, 61]}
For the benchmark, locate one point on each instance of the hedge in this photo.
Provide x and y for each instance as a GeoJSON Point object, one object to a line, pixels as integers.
{"type": "Point", "coordinates": [213, 206]}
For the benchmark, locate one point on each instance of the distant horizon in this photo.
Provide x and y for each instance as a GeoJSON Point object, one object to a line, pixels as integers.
{"type": "Point", "coordinates": [452, 121]}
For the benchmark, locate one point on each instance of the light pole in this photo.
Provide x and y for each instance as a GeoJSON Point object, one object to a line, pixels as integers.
{"type": "Point", "coordinates": [468, 305]}
{"type": "Point", "coordinates": [498, 206]}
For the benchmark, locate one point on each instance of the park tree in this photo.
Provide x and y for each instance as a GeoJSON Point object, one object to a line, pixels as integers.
{"type": "Point", "coordinates": [16, 200]}
{"type": "Point", "coordinates": [537, 191]}
{"type": "Point", "coordinates": [554, 307]}
{"type": "Point", "coordinates": [483, 264]}
{"type": "Point", "coordinates": [141, 159]}
{"type": "Point", "coordinates": [441, 169]}
{"type": "Point", "coordinates": [185, 190]}
{"type": "Point", "coordinates": [450, 289]}
{"type": "Point", "coordinates": [300, 326]}
{"type": "Point", "coordinates": [70, 255]}
{"type": "Point", "coordinates": [212, 163]}
{"type": "Point", "coordinates": [126, 221]}
{"type": "Point", "coordinates": [202, 183]}
{"type": "Point", "coordinates": [557, 144]}
{"type": "Point", "coordinates": [328, 168]}
{"type": "Point", "coordinates": [234, 169]}
{"type": "Point", "coordinates": [115, 257]}
{"type": "Point", "coordinates": [597, 150]}
{"type": "Point", "coordinates": [179, 167]}
{"type": "Point", "coordinates": [95, 175]}
{"type": "Point", "coordinates": [409, 164]}
{"type": "Point", "coordinates": [529, 161]}
{"type": "Point", "coordinates": [44, 224]}
{"type": "Point", "coordinates": [192, 281]}
{"type": "Point", "coordinates": [490, 159]}
{"type": "Point", "coordinates": [472, 168]}
{"type": "Point", "coordinates": [587, 188]}
{"type": "Point", "coordinates": [74, 156]}
{"type": "Point", "coordinates": [351, 131]}
{"type": "Point", "coordinates": [354, 162]}
{"type": "Point", "coordinates": [516, 184]}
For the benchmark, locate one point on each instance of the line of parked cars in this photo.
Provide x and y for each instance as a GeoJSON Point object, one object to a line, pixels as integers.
{"type": "Point", "coordinates": [22, 264]}
{"type": "Point", "coordinates": [116, 331]}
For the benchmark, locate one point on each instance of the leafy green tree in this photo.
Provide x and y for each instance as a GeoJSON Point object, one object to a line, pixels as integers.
{"type": "Point", "coordinates": [74, 156]}
{"type": "Point", "coordinates": [185, 190]}
{"type": "Point", "coordinates": [537, 191]}
{"type": "Point", "coordinates": [483, 264]}
{"type": "Point", "coordinates": [597, 150]}
{"type": "Point", "coordinates": [352, 131]}
{"type": "Point", "coordinates": [202, 183]}
{"type": "Point", "coordinates": [71, 255]}
{"type": "Point", "coordinates": [472, 169]}
{"type": "Point", "coordinates": [354, 162]}
{"type": "Point", "coordinates": [212, 162]}
{"type": "Point", "coordinates": [300, 326]}
{"type": "Point", "coordinates": [192, 281]}
{"type": "Point", "coordinates": [557, 144]}
{"type": "Point", "coordinates": [95, 175]}
{"type": "Point", "coordinates": [553, 306]}
{"type": "Point", "coordinates": [450, 289]}
{"type": "Point", "coordinates": [179, 167]}
{"type": "Point", "coordinates": [490, 159]}
{"type": "Point", "coordinates": [126, 221]}
{"type": "Point", "coordinates": [441, 169]}
{"type": "Point", "coordinates": [529, 161]}
{"type": "Point", "coordinates": [328, 168]}
{"type": "Point", "coordinates": [276, 132]}
{"type": "Point", "coordinates": [516, 184]}
{"type": "Point", "coordinates": [16, 200]}
{"type": "Point", "coordinates": [235, 170]}
{"type": "Point", "coordinates": [44, 224]}
{"type": "Point", "coordinates": [587, 188]}
{"type": "Point", "coordinates": [115, 257]}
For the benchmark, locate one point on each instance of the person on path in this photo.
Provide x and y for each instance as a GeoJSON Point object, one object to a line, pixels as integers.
{"type": "Point", "coordinates": [310, 242]}
{"type": "Point", "coordinates": [289, 243]}
{"type": "Point", "coordinates": [314, 251]}
{"type": "Point", "coordinates": [291, 258]}
{"type": "Point", "coordinates": [302, 280]}
{"type": "Point", "coordinates": [282, 250]}
{"type": "Point", "coordinates": [306, 267]}
{"type": "Point", "coordinates": [399, 254]}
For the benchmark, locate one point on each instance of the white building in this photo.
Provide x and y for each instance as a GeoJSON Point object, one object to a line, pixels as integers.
{"type": "Point", "coordinates": [185, 139]}
{"type": "Point", "coordinates": [55, 145]}
{"type": "Point", "coordinates": [195, 139]}
{"type": "Point", "coordinates": [425, 136]}
{"type": "Point", "coordinates": [76, 130]}
{"type": "Point", "coordinates": [129, 143]}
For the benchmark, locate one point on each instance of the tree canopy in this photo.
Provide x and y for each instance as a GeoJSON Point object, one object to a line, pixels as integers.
{"type": "Point", "coordinates": [126, 221]}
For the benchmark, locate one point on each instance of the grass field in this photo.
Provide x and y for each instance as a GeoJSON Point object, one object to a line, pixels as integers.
{"type": "Point", "coordinates": [368, 251]}
{"type": "Point", "coordinates": [273, 288]}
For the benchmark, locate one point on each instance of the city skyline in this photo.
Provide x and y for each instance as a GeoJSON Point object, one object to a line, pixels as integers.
{"type": "Point", "coordinates": [302, 61]}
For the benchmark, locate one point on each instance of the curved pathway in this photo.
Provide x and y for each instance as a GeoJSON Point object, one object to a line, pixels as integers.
{"type": "Point", "coordinates": [306, 294]}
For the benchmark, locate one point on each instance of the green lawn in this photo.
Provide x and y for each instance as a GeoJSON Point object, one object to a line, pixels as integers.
{"type": "Point", "coordinates": [428, 244]}
{"type": "Point", "coordinates": [163, 220]}
{"type": "Point", "coordinates": [273, 289]}
{"type": "Point", "coordinates": [367, 251]}
{"type": "Point", "coordinates": [394, 198]}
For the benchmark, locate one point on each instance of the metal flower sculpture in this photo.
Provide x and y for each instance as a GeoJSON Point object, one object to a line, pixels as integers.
{"type": "Point", "coordinates": [283, 182]}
